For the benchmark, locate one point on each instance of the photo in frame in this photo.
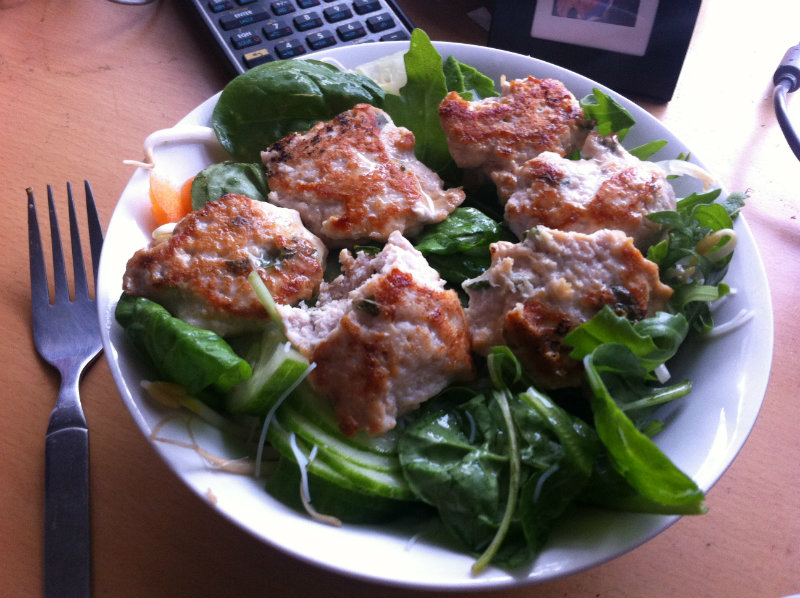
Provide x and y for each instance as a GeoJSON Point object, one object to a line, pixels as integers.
{"type": "Point", "coordinates": [636, 47]}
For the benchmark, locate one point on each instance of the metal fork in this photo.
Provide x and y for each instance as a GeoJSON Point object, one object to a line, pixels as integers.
{"type": "Point", "coordinates": [67, 335]}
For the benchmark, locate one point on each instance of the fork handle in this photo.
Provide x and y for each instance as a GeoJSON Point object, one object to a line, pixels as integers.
{"type": "Point", "coordinates": [67, 539]}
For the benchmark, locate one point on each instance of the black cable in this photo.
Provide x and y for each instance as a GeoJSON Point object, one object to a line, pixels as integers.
{"type": "Point", "coordinates": [787, 80]}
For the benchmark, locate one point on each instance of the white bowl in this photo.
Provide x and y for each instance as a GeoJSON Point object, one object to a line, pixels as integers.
{"type": "Point", "coordinates": [704, 432]}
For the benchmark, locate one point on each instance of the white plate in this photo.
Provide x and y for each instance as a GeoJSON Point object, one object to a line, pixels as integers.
{"type": "Point", "coordinates": [704, 433]}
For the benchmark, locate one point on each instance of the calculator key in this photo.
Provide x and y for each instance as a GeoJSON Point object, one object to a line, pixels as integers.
{"type": "Point", "coordinates": [350, 31]}
{"type": "Point", "coordinates": [282, 7]}
{"type": "Point", "coordinates": [257, 57]}
{"type": "Point", "coordinates": [290, 49]}
{"type": "Point", "coordinates": [244, 2]}
{"type": "Point", "coordinates": [307, 3]}
{"type": "Point", "coordinates": [219, 6]}
{"type": "Point", "coordinates": [308, 20]}
{"type": "Point", "coordinates": [337, 12]}
{"type": "Point", "coordinates": [244, 39]}
{"type": "Point", "coordinates": [380, 22]}
{"type": "Point", "coordinates": [320, 39]}
{"type": "Point", "coordinates": [241, 18]}
{"type": "Point", "coordinates": [395, 36]}
{"type": "Point", "coordinates": [276, 29]}
{"type": "Point", "coordinates": [362, 7]}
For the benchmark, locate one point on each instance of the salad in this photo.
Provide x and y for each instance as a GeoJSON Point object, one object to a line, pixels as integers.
{"type": "Point", "coordinates": [498, 461]}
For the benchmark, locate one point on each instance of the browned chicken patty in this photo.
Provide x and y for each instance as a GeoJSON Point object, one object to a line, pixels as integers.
{"type": "Point", "coordinates": [538, 290]}
{"type": "Point", "coordinates": [608, 188]}
{"type": "Point", "coordinates": [499, 133]}
{"type": "Point", "coordinates": [200, 272]}
{"type": "Point", "coordinates": [385, 336]}
{"type": "Point", "coordinates": [355, 178]}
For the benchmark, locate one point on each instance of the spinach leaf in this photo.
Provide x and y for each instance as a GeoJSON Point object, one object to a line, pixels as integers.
{"type": "Point", "coordinates": [196, 359]}
{"type": "Point", "coordinates": [456, 460]}
{"type": "Point", "coordinates": [272, 100]}
{"type": "Point", "coordinates": [549, 492]}
{"type": "Point", "coordinates": [458, 246]}
{"type": "Point", "coordinates": [464, 228]}
{"type": "Point", "coordinates": [229, 177]}
{"type": "Point", "coordinates": [455, 268]}
{"type": "Point", "coordinates": [500, 467]}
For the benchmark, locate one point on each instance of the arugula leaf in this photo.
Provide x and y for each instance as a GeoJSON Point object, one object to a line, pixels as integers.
{"type": "Point", "coordinates": [632, 454]}
{"type": "Point", "coordinates": [652, 341]}
{"type": "Point", "coordinates": [608, 489]}
{"type": "Point", "coordinates": [627, 380]}
{"type": "Point", "coordinates": [609, 114]}
{"type": "Point", "coordinates": [695, 275]}
{"type": "Point", "coordinates": [734, 202]}
{"type": "Point", "coordinates": [644, 151]}
{"type": "Point", "coordinates": [454, 77]}
{"type": "Point", "coordinates": [470, 83]}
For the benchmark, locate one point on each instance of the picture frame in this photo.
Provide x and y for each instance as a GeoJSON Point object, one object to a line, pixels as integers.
{"type": "Point", "coordinates": [636, 47]}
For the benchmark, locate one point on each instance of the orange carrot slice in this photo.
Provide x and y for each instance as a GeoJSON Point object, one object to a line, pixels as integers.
{"type": "Point", "coordinates": [169, 203]}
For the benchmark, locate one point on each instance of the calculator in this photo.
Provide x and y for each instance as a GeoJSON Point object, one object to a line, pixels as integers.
{"type": "Point", "coordinates": [252, 32]}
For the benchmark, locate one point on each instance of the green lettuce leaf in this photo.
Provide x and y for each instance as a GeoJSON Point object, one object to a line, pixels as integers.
{"type": "Point", "coordinates": [195, 358]}
{"type": "Point", "coordinates": [417, 106]}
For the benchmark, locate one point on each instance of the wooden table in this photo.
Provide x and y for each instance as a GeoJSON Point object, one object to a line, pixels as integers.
{"type": "Point", "coordinates": [81, 85]}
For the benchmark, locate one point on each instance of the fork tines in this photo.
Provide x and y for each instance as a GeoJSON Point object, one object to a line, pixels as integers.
{"type": "Point", "coordinates": [39, 285]}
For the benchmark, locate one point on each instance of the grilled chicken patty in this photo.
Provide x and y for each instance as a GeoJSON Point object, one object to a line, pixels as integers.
{"type": "Point", "coordinates": [608, 188]}
{"type": "Point", "coordinates": [538, 290]}
{"type": "Point", "coordinates": [355, 178]}
{"type": "Point", "coordinates": [200, 272]}
{"type": "Point", "coordinates": [385, 336]}
{"type": "Point", "coordinates": [500, 133]}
